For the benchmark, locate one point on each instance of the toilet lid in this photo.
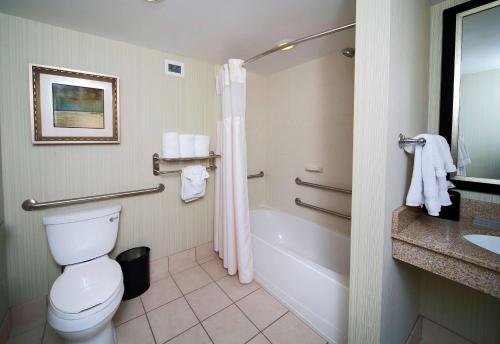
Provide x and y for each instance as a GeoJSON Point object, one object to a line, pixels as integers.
{"type": "Point", "coordinates": [86, 285]}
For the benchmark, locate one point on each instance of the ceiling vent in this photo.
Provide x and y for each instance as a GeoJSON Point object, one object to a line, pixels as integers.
{"type": "Point", "coordinates": [174, 68]}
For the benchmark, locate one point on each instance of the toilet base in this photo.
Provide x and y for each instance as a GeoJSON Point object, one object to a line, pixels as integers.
{"type": "Point", "coordinates": [106, 336]}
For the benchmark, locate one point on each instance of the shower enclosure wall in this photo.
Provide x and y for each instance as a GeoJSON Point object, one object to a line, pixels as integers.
{"type": "Point", "coordinates": [300, 118]}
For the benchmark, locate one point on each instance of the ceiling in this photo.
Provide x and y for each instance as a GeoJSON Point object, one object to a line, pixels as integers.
{"type": "Point", "coordinates": [211, 30]}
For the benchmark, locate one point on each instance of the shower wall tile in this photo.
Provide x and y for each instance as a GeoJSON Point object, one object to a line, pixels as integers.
{"type": "Point", "coordinates": [150, 103]}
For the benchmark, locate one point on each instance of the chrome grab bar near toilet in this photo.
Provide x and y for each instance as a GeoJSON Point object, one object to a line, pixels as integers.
{"type": "Point", "coordinates": [31, 204]}
{"type": "Point", "coordinates": [257, 175]}
{"type": "Point", "coordinates": [323, 210]}
{"type": "Point", "coordinates": [299, 181]}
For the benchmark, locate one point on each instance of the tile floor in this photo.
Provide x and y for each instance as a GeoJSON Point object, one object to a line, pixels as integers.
{"type": "Point", "coordinates": [196, 305]}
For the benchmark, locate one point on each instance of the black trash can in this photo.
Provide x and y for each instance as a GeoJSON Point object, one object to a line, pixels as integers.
{"type": "Point", "coordinates": [135, 268]}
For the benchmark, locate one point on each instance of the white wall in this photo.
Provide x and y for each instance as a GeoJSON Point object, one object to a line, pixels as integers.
{"type": "Point", "coordinates": [257, 114]}
{"type": "Point", "coordinates": [300, 116]}
{"type": "Point", "coordinates": [479, 122]}
{"type": "Point", "coordinates": [150, 103]}
{"type": "Point", "coordinates": [390, 97]}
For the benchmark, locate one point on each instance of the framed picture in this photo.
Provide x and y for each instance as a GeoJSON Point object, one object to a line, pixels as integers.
{"type": "Point", "coordinates": [72, 106]}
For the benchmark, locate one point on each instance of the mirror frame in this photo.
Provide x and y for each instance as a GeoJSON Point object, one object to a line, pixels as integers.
{"type": "Point", "coordinates": [448, 117]}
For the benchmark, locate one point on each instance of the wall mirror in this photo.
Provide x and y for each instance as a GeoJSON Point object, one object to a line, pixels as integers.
{"type": "Point", "coordinates": [470, 93]}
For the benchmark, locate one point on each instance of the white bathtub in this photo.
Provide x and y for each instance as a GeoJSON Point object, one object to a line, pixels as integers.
{"type": "Point", "coordinates": [306, 266]}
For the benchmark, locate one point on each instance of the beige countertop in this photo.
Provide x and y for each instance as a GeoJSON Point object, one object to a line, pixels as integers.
{"type": "Point", "coordinates": [438, 246]}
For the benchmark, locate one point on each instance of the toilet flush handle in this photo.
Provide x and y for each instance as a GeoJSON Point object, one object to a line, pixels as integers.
{"type": "Point", "coordinates": [112, 219]}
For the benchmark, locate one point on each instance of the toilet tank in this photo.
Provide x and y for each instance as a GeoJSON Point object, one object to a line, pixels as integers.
{"type": "Point", "coordinates": [82, 235]}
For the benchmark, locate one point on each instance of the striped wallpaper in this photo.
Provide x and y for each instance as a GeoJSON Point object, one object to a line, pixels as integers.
{"type": "Point", "coordinates": [150, 103]}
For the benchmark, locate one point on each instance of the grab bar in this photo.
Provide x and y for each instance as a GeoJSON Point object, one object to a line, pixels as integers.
{"type": "Point", "coordinates": [299, 181]}
{"type": "Point", "coordinates": [327, 211]}
{"type": "Point", "coordinates": [257, 175]}
{"type": "Point", "coordinates": [31, 204]}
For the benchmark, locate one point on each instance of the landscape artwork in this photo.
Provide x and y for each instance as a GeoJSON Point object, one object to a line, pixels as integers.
{"type": "Point", "coordinates": [78, 107]}
{"type": "Point", "coordinates": [70, 106]}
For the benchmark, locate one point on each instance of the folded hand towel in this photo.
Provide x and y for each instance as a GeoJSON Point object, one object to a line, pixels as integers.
{"type": "Point", "coordinates": [170, 145]}
{"type": "Point", "coordinates": [186, 145]}
{"type": "Point", "coordinates": [201, 145]}
{"type": "Point", "coordinates": [193, 180]}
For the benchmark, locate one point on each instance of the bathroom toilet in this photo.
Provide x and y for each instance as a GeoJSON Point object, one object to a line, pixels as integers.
{"type": "Point", "coordinates": [84, 298]}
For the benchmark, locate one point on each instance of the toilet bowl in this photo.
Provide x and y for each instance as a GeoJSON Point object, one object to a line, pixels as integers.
{"type": "Point", "coordinates": [84, 298]}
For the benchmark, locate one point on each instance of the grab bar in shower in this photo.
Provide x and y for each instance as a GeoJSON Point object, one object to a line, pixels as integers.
{"type": "Point", "coordinates": [257, 175]}
{"type": "Point", "coordinates": [31, 204]}
{"type": "Point", "coordinates": [323, 210]}
{"type": "Point", "coordinates": [299, 181]}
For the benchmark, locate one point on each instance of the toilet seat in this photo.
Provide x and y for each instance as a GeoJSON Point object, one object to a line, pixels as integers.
{"type": "Point", "coordinates": [85, 294]}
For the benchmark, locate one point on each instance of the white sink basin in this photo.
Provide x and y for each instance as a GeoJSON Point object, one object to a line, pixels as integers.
{"type": "Point", "coordinates": [488, 242]}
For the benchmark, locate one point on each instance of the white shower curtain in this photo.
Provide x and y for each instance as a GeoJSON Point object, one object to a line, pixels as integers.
{"type": "Point", "coordinates": [232, 237]}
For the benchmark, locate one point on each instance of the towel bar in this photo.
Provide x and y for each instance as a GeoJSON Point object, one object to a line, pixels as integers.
{"type": "Point", "coordinates": [156, 163]}
{"type": "Point", "coordinates": [403, 141]}
{"type": "Point", "coordinates": [323, 210]}
{"type": "Point", "coordinates": [31, 204]}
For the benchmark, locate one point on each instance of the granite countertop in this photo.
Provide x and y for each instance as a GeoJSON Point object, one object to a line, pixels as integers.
{"type": "Point", "coordinates": [437, 245]}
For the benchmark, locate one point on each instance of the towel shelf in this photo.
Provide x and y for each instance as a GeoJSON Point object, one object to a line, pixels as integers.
{"type": "Point", "coordinates": [257, 175]}
{"type": "Point", "coordinates": [403, 141]}
{"type": "Point", "coordinates": [323, 210]}
{"type": "Point", "coordinates": [299, 181]}
{"type": "Point", "coordinates": [31, 204]}
{"type": "Point", "coordinates": [156, 163]}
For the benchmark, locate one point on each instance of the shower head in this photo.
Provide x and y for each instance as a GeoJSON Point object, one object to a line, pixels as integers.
{"type": "Point", "coordinates": [348, 52]}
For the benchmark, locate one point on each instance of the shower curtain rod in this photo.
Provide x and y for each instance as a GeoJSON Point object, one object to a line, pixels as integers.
{"type": "Point", "coordinates": [298, 41]}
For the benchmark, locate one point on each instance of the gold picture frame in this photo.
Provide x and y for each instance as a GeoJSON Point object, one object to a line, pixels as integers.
{"type": "Point", "coordinates": [73, 107]}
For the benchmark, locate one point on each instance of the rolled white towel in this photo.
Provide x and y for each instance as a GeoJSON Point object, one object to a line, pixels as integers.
{"type": "Point", "coordinates": [170, 145]}
{"type": "Point", "coordinates": [201, 145]}
{"type": "Point", "coordinates": [186, 145]}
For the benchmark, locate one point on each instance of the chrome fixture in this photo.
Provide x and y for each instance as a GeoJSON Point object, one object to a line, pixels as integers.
{"type": "Point", "coordinates": [323, 210]}
{"type": "Point", "coordinates": [299, 181]}
{"type": "Point", "coordinates": [348, 52]}
{"type": "Point", "coordinates": [31, 204]}
{"type": "Point", "coordinates": [156, 163]}
{"type": "Point", "coordinates": [403, 141]}
{"type": "Point", "coordinates": [258, 175]}
{"type": "Point", "coordinates": [284, 43]}
{"type": "Point", "coordinates": [298, 41]}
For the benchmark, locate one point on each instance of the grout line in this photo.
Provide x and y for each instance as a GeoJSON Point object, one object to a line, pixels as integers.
{"type": "Point", "coordinates": [177, 335]}
{"type": "Point", "coordinates": [248, 341]}
{"type": "Point", "coordinates": [258, 330]}
{"type": "Point", "coordinates": [275, 321]}
{"type": "Point", "coordinates": [44, 331]}
{"type": "Point", "coordinates": [163, 304]}
{"type": "Point", "coordinates": [129, 320]}
{"type": "Point", "coordinates": [192, 310]}
{"type": "Point", "coordinates": [215, 280]}
{"type": "Point", "coordinates": [147, 319]}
